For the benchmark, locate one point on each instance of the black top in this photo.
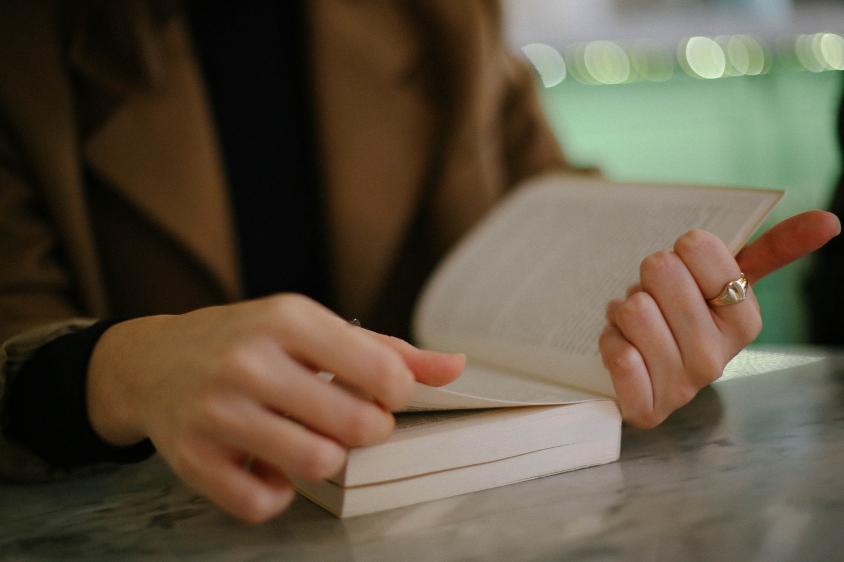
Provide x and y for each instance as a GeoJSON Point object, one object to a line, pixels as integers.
{"type": "Point", "coordinates": [254, 57]}
{"type": "Point", "coordinates": [825, 283]}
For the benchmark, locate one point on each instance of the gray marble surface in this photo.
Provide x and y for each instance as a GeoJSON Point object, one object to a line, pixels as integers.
{"type": "Point", "coordinates": [752, 469]}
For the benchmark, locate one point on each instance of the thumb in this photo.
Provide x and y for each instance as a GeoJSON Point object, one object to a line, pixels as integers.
{"type": "Point", "coordinates": [787, 241]}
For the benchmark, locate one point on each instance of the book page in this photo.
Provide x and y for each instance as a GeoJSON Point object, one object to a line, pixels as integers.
{"type": "Point", "coordinates": [527, 289]}
{"type": "Point", "coordinates": [482, 386]}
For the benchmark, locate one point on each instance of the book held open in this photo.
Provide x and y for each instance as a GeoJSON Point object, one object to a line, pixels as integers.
{"type": "Point", "coordinates": [523, 296]}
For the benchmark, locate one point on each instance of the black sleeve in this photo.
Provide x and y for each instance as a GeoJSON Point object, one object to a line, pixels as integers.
{"type": "Point", "coordinates": [47, 408]}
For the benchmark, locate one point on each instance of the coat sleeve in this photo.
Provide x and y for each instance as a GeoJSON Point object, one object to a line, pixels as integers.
{"type": "Point", "coordinates": [17, 462]}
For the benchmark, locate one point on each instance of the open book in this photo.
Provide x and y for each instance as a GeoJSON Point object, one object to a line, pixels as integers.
{"type": "Point", "coordinates": [523, 296]}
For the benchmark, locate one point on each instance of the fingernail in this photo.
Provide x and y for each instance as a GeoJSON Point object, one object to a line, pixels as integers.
{"type": "Point", "coordinates": [461, 355]}
{"type": "Point", "coordinates": [839, 225]}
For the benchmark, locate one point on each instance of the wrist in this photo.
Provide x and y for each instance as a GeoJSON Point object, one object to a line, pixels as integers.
{"type": "Point", "coordinates": [110, 390]}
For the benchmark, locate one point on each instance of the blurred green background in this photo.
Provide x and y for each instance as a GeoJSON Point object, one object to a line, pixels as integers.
{"type": "Point", "coordinates": [774, 131]}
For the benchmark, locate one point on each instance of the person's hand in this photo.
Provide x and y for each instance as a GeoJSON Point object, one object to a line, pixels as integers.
{"type": "Point", "coordinates": [229, 397]}
{"type": "Point", "coordinates": [663, 342]}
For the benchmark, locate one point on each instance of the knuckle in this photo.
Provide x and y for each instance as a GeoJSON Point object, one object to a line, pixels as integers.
{"type": "Point", "coordinates": [624, 362]}
{"type": "Point", "coordinates": [642, 419]}
{"type": "Point", "coordinates": [284, 303]}
{"type": "Point", "coordinates": [605, 346]}
{"type": "Point", "coordinates": [254, 506]}
{"type": "Point", "coordinates": [321, 460]}
{"type": "Point", "coordinates": [367, 426]}
{"type": "Point", "coordinates": [633, 289]}
{"type": "Point", "coordinates": [647, 420]}
{"type": "Point", "coordinates": [694, 241]}
{"type": "Point", "coordinates": [659, 264]}
{"type": "Point", "coordinates": [234, 360]}
{"type": "Point", "coordinates": [213, 414]}
{"type": "Point", "coordinates": [291, 308]}
{"type": "Point", "coordinates": [241, 365]}
{"type": "Point", "coordinates": [392, 380]}
{"type": "Point", "coordinates": [634, 310]}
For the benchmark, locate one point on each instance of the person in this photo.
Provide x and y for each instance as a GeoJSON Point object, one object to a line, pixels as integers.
{"type": "Point", "coordinates": [825, 297]}
{"type": "Point", "coordinates": [197, 197]}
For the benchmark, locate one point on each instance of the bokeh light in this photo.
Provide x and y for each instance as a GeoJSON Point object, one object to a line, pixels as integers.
{"type": "Point", "coordinates": [739, 56]}
{"type": "Point", "coordinates": [606, 62]}
{"type": "Point", "coordinates": [548, 63]}
{"type": "Point", "coordinates": [805, 48]}
{"type": "Point", "coordinates": [704, 57]}
{"type": "Point", "coordinates": [814, 52]}
{"type": "Point", "coordinates": [575, 59]}
{"type": "Point", "coordinates": [651, 60]}
{"type": "Point", "coordinates": [611, 62]}
{"type": "Point", "coordinates": [758, 59]}
{"type": "Point", "coordinates": [743, 55]}
{"type": "Point", "coordinates": [832, 50]}
{"type": "Point", "coordinates": [736, 57]}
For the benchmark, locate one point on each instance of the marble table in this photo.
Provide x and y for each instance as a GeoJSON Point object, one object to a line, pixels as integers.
{"type": "Point", "coordinates": [752, 469]}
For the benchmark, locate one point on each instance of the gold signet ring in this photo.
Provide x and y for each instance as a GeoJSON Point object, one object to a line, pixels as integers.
{"type": "Point", "coordinates": [733, 293]}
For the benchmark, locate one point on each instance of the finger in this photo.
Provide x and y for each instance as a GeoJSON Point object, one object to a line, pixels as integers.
{"type": "Point", "coordinates": [429, 367]}
{"type": "Point", "coordinates": [334, 411]}
{"type": "Point", "coordinates": [630, 378]}
{"type": "Point", "coordinates": [712, 266]}
{"type": "Point", "coordinates": [612, 306]}
{"type": "Point", "coordinates": [217, 473]}
{"type": "Point", "coordinates": [318, 338]}
{"type": "Point", "coordinates": [286, 386]}
{"type": "Point", "coordinates": [708, 260]}
{"type": "Point", "coordinates": [284, 443]}
{"type": "Point", "coordinates": [672, 285]}
{"type": "Point", "coordinates": [612, 309]}
{"type": "Point", "coordinates": [787, 241]}
{"type": "Point", "coordinates": [641, 322]}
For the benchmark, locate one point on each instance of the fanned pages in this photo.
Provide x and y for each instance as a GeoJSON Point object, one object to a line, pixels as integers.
{"type": "Point", "coordinates": [482, 386]}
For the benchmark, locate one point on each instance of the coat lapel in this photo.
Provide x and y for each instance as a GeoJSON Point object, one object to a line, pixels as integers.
{"type": "Point", "coordinates": [33, 88]}
{"type": "Point", "coordinates": [159, 150]}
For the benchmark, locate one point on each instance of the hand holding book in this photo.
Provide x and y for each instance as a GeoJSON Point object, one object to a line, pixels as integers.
{"type": "Point", "coordinates": [663, 342]}
{"type": "Point", "coordinates": [230, 399]}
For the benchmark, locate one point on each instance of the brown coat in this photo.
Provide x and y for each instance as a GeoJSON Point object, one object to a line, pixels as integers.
{"type": "Point", "coordinates": [113, 199]}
